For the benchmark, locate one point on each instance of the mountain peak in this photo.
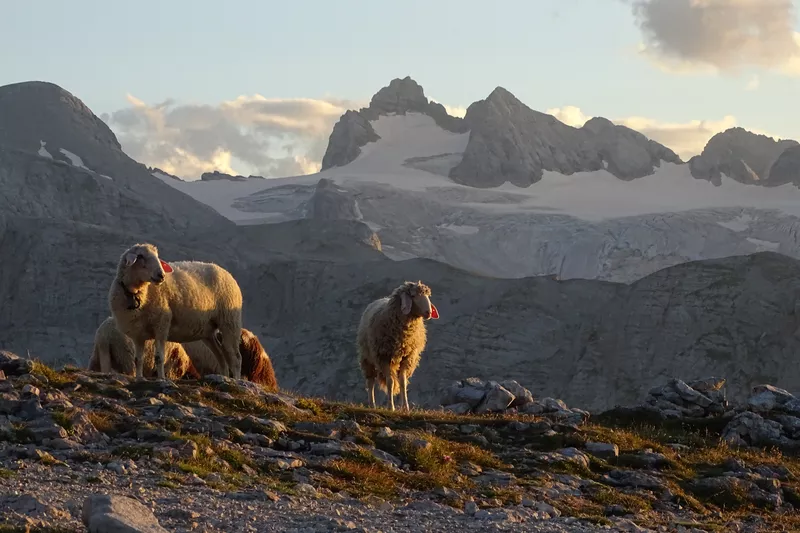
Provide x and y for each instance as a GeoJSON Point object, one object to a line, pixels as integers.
{"type": "Point", "coordinates": [401, 96]}
{"type": "Point", "coordinates": [743, 156]}
{"type": "Point", "coordinates": [26, 107]}
{"type": "Point", "coordinates": [502, 95]}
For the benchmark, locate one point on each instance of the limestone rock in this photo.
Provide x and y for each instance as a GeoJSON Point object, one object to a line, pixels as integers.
{"type": "Point", "coordinates": [104, 513]}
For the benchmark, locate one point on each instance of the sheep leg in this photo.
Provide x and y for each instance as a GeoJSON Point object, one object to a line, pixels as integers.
{"type": "Point", "coordinates": [371, 392]}
{"type": "Point", "coordinates": [392, 383]}
{"type": "Point", "coordinates": [404, 389]}
{"type": "Point", "coordinates": [221, 364]}
{"type": "Point", "coordinates": [159, 356]}
{"type": "Point", "coordinates": [138, 358]}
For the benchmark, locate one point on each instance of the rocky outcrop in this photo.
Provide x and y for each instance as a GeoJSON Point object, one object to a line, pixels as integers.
{"type": "Point", "coordinates": [401, 96]}
{"type": "Point", "coordinates": [696, 399]}
{"type": "Point", "coordinates": [473, 395]}
{"type": "Point", "coordinates": [511, 142]}
{"type": "Point", "coordinates": [742, 156]}
{"type": "Point", "coordinates": [329, 202]}
{"type": "Point", "coordinates": [771, 417]}
{"type": "Point", "coordinates": [217, 176]}
{"type": "Point", "coordinates": [348, 136]}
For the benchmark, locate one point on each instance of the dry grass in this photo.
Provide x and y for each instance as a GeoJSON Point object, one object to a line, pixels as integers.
{"type": "Point", "coordinates": [54, 377]}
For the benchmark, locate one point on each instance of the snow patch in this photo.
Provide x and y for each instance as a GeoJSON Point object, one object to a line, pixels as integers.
{"type": "Point", "coordinates": [740, 223]}
{"type": "Point", "coordinates": [162, 176]}
{"type": "Point", "coordinates": [43, 151]}
{"type": "Point", "coordinates": [461, 230]}
{"type": "Point", "coordinates": [74, 159]}
{"type": "Point", "coordinates": [765, 245]}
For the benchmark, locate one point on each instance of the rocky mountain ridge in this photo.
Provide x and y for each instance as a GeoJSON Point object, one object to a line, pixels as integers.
{"type": "Point", "coordinates": [511, 142]}
{"type": "Point", "coordinates": [748, 158]}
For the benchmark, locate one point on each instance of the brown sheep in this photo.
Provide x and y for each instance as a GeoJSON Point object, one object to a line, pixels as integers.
{"type": "Point", "coordinates": [256, 364]}
{"type": "Point", "coordinates": [114, 352]}
{"type": "Point", "coordinates": [391, 337]}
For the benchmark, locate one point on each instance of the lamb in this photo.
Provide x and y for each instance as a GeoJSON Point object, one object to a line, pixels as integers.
{"type": "Point", "coordinates": [256, 364]}
{"type": "Point", "coordinates": [390, 339]}
{"type": "Point", "coordinates": [184, 302]}
{"type": "Point", "coordinates": [113, 351]}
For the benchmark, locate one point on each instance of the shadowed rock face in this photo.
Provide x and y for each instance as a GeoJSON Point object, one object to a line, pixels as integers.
{"type": "Point", "coordinates": [745, 157]}
{"type": "Point", "coordinates": [511, 142]}
{"type": "Point", "coordinates": [785, 169]}
{"type": "Point", "coordinates": [348, 136]}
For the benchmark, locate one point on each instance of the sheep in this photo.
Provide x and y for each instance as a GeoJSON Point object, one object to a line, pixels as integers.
{"type": "Point", "coordinates": [391, 336]}
{"type": "Point", "coordinates": [256, 364]}
{"type": "Point", "coordinates": [113, 351]}
{"type": "Point", "coordinates": [184, 302]}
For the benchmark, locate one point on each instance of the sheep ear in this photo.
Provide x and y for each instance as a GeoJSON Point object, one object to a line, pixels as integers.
{"type": "Point", "coordinates": [166, 266]}
{"type": "Point", "coordinates": [130, 258]}
{"type": "Point", "coordinates": [434, 312]}
{"type": "Point", "coordinates": [405, 303]}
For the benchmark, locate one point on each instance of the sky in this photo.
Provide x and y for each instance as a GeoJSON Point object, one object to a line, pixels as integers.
{"type": "Point", "coordinates": [255, 87]}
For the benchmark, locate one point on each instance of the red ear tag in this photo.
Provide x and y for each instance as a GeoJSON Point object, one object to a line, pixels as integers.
{"type": "Point", "coordinates": [434, 311]}
{"type": "Point", "coordinates": [166, 266]}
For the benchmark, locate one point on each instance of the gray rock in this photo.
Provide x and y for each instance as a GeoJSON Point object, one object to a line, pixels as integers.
{"type": "Point", "coordinates": [13, 365]}
{"type": "Point", "coordinates": [496, 399]}
{"type": "Point", "coordinates": [104, 513]}
{"type": "Point", "coordinates": [767, 397]}
{"type": "Point", "coordinates": [603, 450]}
{"type": "Point", "coordinates": [522, 396]}
{"type": "Point", "coordinates": [752, 429]}
{"type": "Point", "coordinates": [469, 391]}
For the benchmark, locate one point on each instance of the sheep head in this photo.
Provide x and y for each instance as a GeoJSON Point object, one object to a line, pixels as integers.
{"type": "Point", "coordinates": [415, 301]}
{"type": "Point", "coordinates": [142, 264]}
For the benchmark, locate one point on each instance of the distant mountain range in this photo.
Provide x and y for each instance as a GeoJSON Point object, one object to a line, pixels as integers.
{"type": "Point", "coordinates": [311, 251]}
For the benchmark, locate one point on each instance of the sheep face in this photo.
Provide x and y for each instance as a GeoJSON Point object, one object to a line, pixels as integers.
{"type": "Point", "coordinates": [144, 265]}
{"type": "Point", "coordinates": [415, 301]}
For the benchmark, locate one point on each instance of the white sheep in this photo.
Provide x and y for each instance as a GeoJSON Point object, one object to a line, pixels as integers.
{"type": "Point", "coordinates": [114, 352]}
{"type": "Point", "coordinates": [183, 302]}
{"type": "Point", "coordinates": [390, 339]}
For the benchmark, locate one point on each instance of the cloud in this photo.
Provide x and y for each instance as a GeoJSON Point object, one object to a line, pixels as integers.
{"type": "Point", "coordinates": [753, 84]}
{"type": "Point", "coordinates": [455, 111]}
{"type": "Point", "coordinates": [719, 35]}
{"type": "Point", "coordinates": [247, 135]}
{"type": "Point", "coordinates": [570, 115]}
{"type": "Point", "coordinates": [684, 138]}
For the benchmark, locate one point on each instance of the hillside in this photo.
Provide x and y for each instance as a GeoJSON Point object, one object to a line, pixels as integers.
{"type": "Point", "coordinates": [220, 455]}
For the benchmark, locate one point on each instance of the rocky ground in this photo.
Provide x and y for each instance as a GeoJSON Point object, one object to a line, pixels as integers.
{"type": "Point", "coordinates": [80, 448]}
